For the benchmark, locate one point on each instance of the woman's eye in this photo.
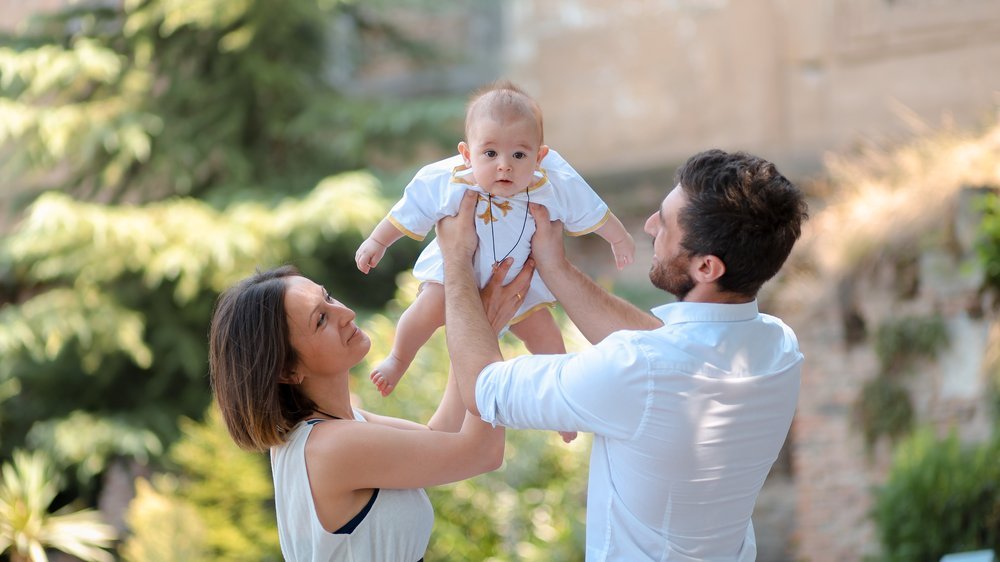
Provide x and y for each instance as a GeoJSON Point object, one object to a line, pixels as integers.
{"type": "Point", "coordinates": [329, 299]}
{"type": "Point", "coordinates": [322, 319]}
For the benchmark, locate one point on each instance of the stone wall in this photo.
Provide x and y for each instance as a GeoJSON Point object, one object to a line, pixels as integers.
{"type": "Point", "coordinates": [927, 274]}
{"type": "Point", "coordinates": [644, 83]}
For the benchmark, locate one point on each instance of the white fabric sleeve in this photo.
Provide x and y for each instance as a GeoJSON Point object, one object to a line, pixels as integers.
{"type": "Point", "coordinates": [425, 200]}
{"type": "Point", "coordinates": [602, 390]}
{"type": "Point", "coordinates": [579, 207]}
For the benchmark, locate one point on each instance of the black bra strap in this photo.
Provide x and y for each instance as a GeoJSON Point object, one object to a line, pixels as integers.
{"type": "Point", "coordinates": [349, 527]}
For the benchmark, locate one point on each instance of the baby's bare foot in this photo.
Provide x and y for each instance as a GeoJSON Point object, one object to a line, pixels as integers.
{"type": "Point", "coordinates": [567, 436]}
{"type": "Point", "coordinates": [386, 375]}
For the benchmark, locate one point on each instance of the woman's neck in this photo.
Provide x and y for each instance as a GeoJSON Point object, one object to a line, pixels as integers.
{"type": "Point", "coordinates": [331, 396]}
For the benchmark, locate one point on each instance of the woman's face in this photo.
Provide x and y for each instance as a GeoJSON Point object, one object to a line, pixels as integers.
{"type": "Point", "coordinates": [322, 330]}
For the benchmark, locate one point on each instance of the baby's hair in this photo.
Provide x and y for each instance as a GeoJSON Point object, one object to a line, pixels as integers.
{"type": "Point", "coordinates": [503, 100]}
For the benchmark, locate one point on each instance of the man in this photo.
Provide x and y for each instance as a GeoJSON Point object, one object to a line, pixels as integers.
{"type": "Point", "coordinates": [688, 406]}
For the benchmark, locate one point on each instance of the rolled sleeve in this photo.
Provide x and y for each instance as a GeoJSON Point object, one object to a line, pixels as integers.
{"type": "Point", "coordinates": [602, 390]}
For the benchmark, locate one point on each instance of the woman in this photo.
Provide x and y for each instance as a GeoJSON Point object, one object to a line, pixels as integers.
{"type": "Point", "coordinates": [347, 483]}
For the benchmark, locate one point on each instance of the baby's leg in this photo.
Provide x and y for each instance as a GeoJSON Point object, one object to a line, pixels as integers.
{"type": "Point", "coordinates": [540, 333]}
{"type": "Point", "coordinates": [541, 336]}
{"type": "Point", "coordinates": [416, 325]}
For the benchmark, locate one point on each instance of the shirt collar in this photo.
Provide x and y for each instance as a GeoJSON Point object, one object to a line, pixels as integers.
{"type": "Point", "coordinates": [680, 312]}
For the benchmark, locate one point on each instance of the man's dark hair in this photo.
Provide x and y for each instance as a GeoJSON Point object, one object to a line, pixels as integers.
{"type": "Point", "coordinates": [743, 211]}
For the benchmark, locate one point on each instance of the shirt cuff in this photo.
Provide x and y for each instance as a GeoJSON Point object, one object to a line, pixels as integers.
{"type": "Point", "coordinates": [486, 393]}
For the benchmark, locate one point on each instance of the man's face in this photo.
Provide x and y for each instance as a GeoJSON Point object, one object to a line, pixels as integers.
{"type": "Point", "coordinates": [670, 270]}
{"type": "Point", "coordinates": [503, 156]}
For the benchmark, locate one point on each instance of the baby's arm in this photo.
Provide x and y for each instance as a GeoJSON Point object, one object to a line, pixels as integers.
{"type": "Point", "coordinates": [622, 244]}
{"type": "Point", "coordinates": [373, 248]}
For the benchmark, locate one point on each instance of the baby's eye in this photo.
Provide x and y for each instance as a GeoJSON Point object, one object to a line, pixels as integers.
{"type": "Point", "coordinates": [491, 153]}
{"type": "Point", "coordinates": [520, 155]}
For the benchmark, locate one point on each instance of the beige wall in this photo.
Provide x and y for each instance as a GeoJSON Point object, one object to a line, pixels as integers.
{"type": "Point", "coordinates": [644, 83]}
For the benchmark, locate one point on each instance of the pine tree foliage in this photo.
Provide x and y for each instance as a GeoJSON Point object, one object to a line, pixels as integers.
{"type": "Point", "coordinates": [118, 320]}
{"type": "Point", "coordinates": [147, 99]}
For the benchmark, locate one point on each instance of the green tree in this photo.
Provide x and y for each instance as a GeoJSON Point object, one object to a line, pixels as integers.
{"type": "Point", "coordinates": [146, 99]}
{"type": "Point", "coordinates": [154, 152]}
{"type": "Point", "coordinates": [116, 326]}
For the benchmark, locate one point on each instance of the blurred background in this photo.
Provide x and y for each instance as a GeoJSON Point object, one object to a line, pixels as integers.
{"type": "Point", "coordinates": [153, 152]}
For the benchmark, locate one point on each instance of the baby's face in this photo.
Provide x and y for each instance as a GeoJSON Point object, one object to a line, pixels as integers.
{"type": "Point", "coordinates": [503, 156]}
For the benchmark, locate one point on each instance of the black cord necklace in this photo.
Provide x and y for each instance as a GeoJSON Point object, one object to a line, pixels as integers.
{"type": "Point", "coordinates": [318, 411]}
{"type": "Point", "coordinates": [493, 237]}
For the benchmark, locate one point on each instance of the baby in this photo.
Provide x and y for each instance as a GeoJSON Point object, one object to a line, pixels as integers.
{"type": "Point", "coordinates": [504, 159]}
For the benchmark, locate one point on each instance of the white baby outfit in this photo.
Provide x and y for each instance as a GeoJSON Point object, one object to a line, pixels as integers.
{"type": "Point", "coordinates": [504, 225]}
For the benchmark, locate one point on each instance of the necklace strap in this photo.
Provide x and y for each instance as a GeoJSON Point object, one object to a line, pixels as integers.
{"type": "Point", "coordinates": [493, 237]}
{"type": "Point", "coordinates": [318, 411]}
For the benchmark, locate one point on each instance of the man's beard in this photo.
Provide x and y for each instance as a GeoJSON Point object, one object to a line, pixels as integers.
{"type": "Point", "coordinates": [673, 276]}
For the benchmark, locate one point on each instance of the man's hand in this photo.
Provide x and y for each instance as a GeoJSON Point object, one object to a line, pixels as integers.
{"type": "Point", "coordinates": [457, 235]}
{"type": "Point", "coordinates": [500, 301]}
{"type": "Point", "coordinates": [547, 242]}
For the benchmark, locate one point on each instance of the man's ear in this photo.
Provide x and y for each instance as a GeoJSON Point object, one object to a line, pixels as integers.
{"type": "Point", "coordinates": [708, 269]}
{"type": "Point", "coordinates": [463, 149]}
{"type": "Point", "coordinates": [542, 152]}
{"type": "Point", "coordinates": [290, 377]}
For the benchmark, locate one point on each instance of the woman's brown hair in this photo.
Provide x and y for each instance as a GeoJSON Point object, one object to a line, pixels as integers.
{"type": "Point", "coordinates": [249, 351]}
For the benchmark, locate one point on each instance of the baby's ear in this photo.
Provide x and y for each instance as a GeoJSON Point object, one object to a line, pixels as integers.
{"type": "Point", "coordinates": [542, 152]}
{"type": "Point", "coordinates": [463, 149]}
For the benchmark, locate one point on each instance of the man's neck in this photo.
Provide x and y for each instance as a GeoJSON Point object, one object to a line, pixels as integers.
{"type": "Point", "coordinates": [711, 293]}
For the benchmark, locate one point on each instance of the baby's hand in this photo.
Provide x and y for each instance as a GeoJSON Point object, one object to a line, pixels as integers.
{"type": "Point", "coordinates": [624, 251]}
{"type": "Point", "coordinates": [368, 255]}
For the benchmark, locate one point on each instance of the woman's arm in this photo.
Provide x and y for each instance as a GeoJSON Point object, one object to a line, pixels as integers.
{"type": "Point", "coordinates": [372, 455]}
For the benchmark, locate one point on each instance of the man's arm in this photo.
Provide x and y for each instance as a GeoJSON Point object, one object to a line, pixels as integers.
{"type": "Point", "coordinates": [472, 340]}
{"type": "Point", "coordinates": [596, 312]}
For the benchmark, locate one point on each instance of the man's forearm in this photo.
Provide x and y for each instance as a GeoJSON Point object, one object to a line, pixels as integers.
{"type": "Point", "coordinates": [596, 312]}
{"type": "Point", "coordinates": [472, 343]}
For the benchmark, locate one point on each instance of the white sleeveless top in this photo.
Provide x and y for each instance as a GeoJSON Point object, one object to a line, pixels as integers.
{"type": "Point", "coordinates": [394, 526]}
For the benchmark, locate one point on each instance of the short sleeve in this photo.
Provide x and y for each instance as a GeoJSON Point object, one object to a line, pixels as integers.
{"type": "Point", "coordinates": [602, 390]}
{"type": "Point", "coordinates": [427, 198]}
{"type": "Point", "coordinates": [575, 203]}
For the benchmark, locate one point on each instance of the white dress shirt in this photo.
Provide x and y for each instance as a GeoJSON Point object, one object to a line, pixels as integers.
{"type": "Point", "coordinates": [687, 421]}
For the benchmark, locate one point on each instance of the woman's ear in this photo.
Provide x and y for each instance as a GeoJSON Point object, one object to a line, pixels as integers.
{"type": "Point", "coordinates": [290, 377]}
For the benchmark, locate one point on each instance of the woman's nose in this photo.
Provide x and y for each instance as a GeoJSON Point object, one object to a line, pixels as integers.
{"type": "Point", "coordinates": [343, 314]}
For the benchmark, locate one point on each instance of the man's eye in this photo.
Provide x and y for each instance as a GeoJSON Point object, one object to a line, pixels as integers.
{"type": "Point", "coordinates": [491, 153]}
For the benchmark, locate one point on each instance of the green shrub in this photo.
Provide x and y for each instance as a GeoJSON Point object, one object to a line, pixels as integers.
{"type": "Point", "coordinates": [941, 496]}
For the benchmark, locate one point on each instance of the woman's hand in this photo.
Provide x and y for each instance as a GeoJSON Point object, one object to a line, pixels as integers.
{"type": "Point", "coordinates": [501, 301]}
